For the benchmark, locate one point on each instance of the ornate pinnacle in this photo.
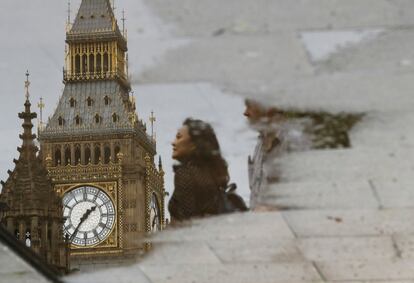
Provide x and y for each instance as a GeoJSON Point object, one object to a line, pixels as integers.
{"type": "Point", "coordinates": [123, 22]}
{"type": "Point", "coordinates": [159, 164]}
{"type": "Point", "coordinates": [28, 149]}
{"type": "Point", "coordinates": [41, 105]}
{"type": "Point", "coordinates": [27, 84]}
{"type": "Point", "coordinates": [152, 119]}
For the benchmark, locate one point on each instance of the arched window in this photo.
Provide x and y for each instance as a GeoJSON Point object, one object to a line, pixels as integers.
{"type": "Point", "coordinates": [87, 155]}
{"type": "Point", "coordinates": [77, 64]}
{"type": "Point", "coordinates": [77, 155]}
{"type": "Point", "coordinates": [105, 62]}
{"type": "Point", "coordinates": [58, 157]}
{"type": "Point", "coordinates": [89, 101]}
{"type": "Point", "coordinates": [107, 152]}
{"type": "Point", "coordinates": [61, 121]}
{"type": "Point", "coordinates": [91, 63]}
{"type": "Point", "coordinates": [84, 63]}
{"type": "Point", "coordinates": [97, 119]}
{"type": "Point", "coordinates": [72, 102]}
{"type": "Point", "coordinates": [78, 120]}
{"type": "Point", "coordinates": [67, 156]}
{"type": "Point", "coordinates": [97, 154]}
{"type": "Point", "coordinates": [28, 238]}
{"type": "Point", "coordinates": [115, 118]}
{"type": "Point", "coordinates": [107, 100]}
{"type": "Point", "coordinates": [98, 63]}
{"type": "Point", "coordinates": [117, 150]}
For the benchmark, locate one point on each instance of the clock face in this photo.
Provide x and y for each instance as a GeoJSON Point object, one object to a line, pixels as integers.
{"type": "Point", "coordinates": [155, 217]}
{"type": "Point", "coordinates": [90, 215]}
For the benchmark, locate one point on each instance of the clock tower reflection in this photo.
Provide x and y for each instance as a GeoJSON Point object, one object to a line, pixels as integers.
{"type": "Point", "coordinates": [96, 150]}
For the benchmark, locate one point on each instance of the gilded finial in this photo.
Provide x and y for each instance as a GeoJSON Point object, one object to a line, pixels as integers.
{"type": "Point", "coordinates": [41, 105]}
{"type": "Point", "coordinates": [123, 22]}
{"type": "Point", "coordinates": [159, 163]}
{"type": "Point", "coordinates": [68, 23]}
{"type": "Point", "coordinates": [27, 84]}
{"type": "Point", "coordinates": [152, 120]}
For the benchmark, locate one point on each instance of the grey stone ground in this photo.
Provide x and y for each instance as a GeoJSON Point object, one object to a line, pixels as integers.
{"type": "Point", "coordinates": [351, 216]}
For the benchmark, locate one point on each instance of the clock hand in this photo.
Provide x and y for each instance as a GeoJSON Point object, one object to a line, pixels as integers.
{"type": "Point", "coordinates": [83, 218]}
{"type": "Point", "coordinates": [86, 215]}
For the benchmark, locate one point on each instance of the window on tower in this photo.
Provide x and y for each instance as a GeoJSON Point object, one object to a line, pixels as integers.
{"type": "Point", "coordinates": [91, 63]}
{"type": "Point", "coordinates": [84, 63]}
{"type": "Point", "coordinates": [97, 154]}
{"type": "Point", "coordinates": [105, 62]}
{"type": "Point", "coordinates": [115, 118]}
{"type": "Point", "coordinates": [72, 102]}
{"type": "Point", "coordinates": [107, 156]}
{"type": "Point", "coordinates": [107, 100]}
{"type": "Point", "coordinates": [77, 155]}
{"type": "Point", "coordinates": [78, 120]}
{"type": "Point", "coordinates": [89, 101]}
{"type": "Point", "coordinates": [97, 119]}
{"type": "Point", "coordinates": [77, 64]}
{"type": "Point", "coordinates": [98, 63]}
{"type": "Point", "coordinates": [61, 121]}
{"type": "Point", "coordinates": [87, 155]}
{"type": "Point", "coordinates": [58, 157]}
{"type": "Point", "coordinates": [67, 156]}
{"type": "Point", "coordinates": [117, 150]}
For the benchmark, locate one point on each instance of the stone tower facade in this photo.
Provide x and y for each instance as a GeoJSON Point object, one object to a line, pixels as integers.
{"type": "Point", "coordinates": [34, 213]}
{"type": "Point", "coordinates": [96, 150]}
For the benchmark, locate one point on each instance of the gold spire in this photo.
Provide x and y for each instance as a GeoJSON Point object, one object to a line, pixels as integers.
{"type": "Point", "coordinates": [41, 105]}
{"type": "Point", "coordinates": [27, 84]}
{"type": "Point", "coordinates": [68, 20]}
{"type": "Point", "coordinates": [152, 119]}
{"type": "Point", "coordinates": [68, 12]}
{"type": "Point", "coordinates": [123, 22]}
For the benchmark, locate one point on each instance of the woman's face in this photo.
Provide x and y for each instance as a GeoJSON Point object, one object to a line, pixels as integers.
{"type": "Point", "coordinates": [182, 146]}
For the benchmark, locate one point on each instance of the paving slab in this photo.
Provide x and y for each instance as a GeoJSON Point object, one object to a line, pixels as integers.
{"type": "Point", "coordinates": [390, 54]}
{"type": "Point", "coordinates": [372, 281]}
{"type": "Point", "coordinates": [405, 245]}
{"type": "Point", "coordinates": [367, 270]}
{"type": "Point", "coordinates": [320, 195]}
{"type": "Point", "coordinates": [206, 17]}
{"type": "Point", "coordinates": [124, 274]}
{"type": "Point", "coordinates": [370, 131]}
{"type": "Point", "coordinates": [252, 251]}
{"type": "Point", "coordinates": [395, 193]}
{"type": "Point", "coordinates": [316, 166]}
{"type": "Point", "coordinates": [233, 273]}
{"type": "Point", "coordinates": [231, 59]}
{"type": "Point", "coordinates": [189, 253]}
{"type": "Point", "coordinates": [257, 226]}
{"type": "Point", "coordinates": [342, 223]}
{"type": "Point", "coordinates": [347, 248]}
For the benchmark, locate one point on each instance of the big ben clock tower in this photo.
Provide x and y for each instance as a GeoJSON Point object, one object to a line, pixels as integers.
{"type": "Point", "coordinates": [96, 150]}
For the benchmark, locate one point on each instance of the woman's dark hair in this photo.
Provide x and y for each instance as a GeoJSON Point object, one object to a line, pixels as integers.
{"type": "Point", "coordinates": [207, 152]}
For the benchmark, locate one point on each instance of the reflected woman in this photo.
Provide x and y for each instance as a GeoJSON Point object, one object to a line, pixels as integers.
{"type": "Point", "coordinates": [201, 174]}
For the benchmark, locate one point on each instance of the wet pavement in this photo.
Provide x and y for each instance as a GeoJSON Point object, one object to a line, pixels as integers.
{"type": "Point", "coordinates": [348, 212]}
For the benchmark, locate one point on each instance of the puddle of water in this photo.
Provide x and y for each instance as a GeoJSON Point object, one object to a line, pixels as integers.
{"type": "Point", "coordinates": [323, 44]}
{"type": "Point", "coordinates": [173, 103]}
